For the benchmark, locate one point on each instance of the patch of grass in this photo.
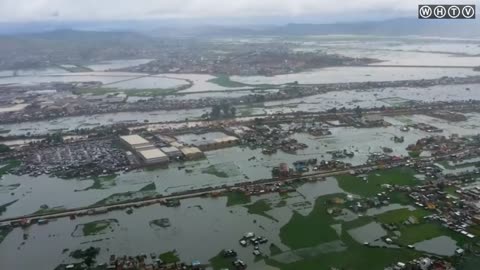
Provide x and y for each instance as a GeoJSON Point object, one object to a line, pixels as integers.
{"type": "Point", "coordinates": [212, 169]}
{"type": "Point", "coordinates": [372, 186]}
{"type": "Point", "coordinates": [102, 182]}
{"type": "Point", "coordinates": [281, 204]}
{"type": "Point", "coordinates": [47, 211]}
{"type": "Point", "coordinates": [306, 231]}
{"type": "Point", "coordinates": [3, 207]}
{"type": "Point", "coordinates": [237, 198]}
{"type": "Point", "coordinates": [219, 262]}
{"type": "Point", "coordinates": [169, 257]}
{"type": "Point", "coordinates": [4, 168]}
{"type": "Point", "coordinates": [4, 231]}
{"type": "Point", "coordinates": [475, 230]}
{"type": "Point", "coordinates": [148, 191]}
{"type": "Point", "coordinates": [401, 215]}
{"type": "Point", "coordinates": [415, 154]}
{"type": "Point", "coordinates": [412, 234]}
{"type": "Point", "coordinates": [274, 250]}
{"type": "Point", "coordinates": [149, 187]}
{"type": "Point", "coordinates": [95, 227]}
{"type": "Point", "coordinates": [260, 208]}
{"type": "Point", "coordinates": [400, 198]}
{"type": "Point", "coordinates": [224, 80]}
{"type": "Point", "coordinates": [314, 229]}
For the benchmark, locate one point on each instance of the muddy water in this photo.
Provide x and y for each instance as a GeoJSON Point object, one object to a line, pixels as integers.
{"type": "Point", "coordinates": [212, 220]}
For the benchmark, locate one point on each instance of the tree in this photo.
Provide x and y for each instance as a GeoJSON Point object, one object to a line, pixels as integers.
{"type": "Point", "coordinates": [226, 109]}
{"type": "Point", "coordinates": [215, 111]}
{"type": "Point", "coordinates": [233, 111]}
{"type": "Point", "coordinates": [4, 148]}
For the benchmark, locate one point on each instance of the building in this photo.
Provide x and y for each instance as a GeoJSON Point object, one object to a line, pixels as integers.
{"type": "Point", "coordinates": [153, 156]}
{"type": "Point", "coordinates": [373, 119]}
{"type": "Point", "coordinates": [208, 141]}
{"type": "Point", "coordinates": [171, 152]}
{"type": "Point", "coordinates": [135, 142]}
{"type": "Point", "coordinates": [192, 153]}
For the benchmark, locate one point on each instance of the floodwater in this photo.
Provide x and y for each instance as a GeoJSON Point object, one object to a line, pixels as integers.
{"type": "Point", "coordinates": [212, 220]}
{"type": "Point", "coordinates": [35, 191]}
{"type": "Point", "coordinates": [442, 245]}
{"type": "Point", "coordinates": [321, 102]}
{"type": "Point", "coordinates": [371, 233]}
{"type": "Point", "coordinates": [356, 74]}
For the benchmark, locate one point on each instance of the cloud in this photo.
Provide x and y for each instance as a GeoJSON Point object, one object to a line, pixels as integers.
{"type": "Point", "coordinates": [68, 10]}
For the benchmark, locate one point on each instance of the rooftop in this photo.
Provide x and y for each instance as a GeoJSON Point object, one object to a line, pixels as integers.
{"type": "Point", "coordinates": [134, 139]}
{"type": "Point", "coordinates": [190, 150]}
{"type": "Point", "coordinates": [152, 154]}
{"type": "Point", "coordinates": [170, 149]}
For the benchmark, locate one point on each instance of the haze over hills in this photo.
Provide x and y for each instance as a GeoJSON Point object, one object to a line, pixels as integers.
{"type": "Point", "coordinates": [393, 27]}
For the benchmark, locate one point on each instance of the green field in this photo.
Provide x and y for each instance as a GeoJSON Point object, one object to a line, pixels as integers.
{"type": "Point", "coordinates": [260, 208]}
{"type": "Point", "coordinates": [401, 215]}
{"type": "Point", "coordinates": [237, 198]}
{"type": "Point", "coordinates": [372, 186]}
{"type": "Point", "coordinates": [169, 257]}
{"type": "Point", "coordinates": [219, 262]}
{"type": "Point", "coordinates": [102, 182]}
{"type": "Point", "coordinates": [412, 234]}
{"type": "Point", "coordinates": [304, 234]}
{"type": "Point", "coordinates": [97, 227]}
{"type": "Point", "coordinates": [3, 207]}
{"type": "Point", "coordinates": [4, 231]}
{"type": "Point", "coordinates": [5, 167]}
{"type": "Point", "coordinates": [307, 231]}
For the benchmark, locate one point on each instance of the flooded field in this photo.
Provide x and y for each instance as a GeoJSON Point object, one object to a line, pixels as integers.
{"type": "Point", "coordinates": [357, 74]}
{"type": "Point", "coordinates": [298, 224]}
{"type": "Point", "coordinates": [54, 192]}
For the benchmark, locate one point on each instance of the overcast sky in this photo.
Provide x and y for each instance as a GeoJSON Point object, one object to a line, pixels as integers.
{"type": "Point", "coordinates": [92, 10]}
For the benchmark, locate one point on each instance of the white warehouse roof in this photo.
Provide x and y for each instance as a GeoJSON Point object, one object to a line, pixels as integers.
{"type": "Point", "coordinates": [134, 140]}
{"type": "Point", "coordinates": [152, 154]}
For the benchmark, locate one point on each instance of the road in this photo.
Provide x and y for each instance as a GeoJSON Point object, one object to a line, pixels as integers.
{"type": "Point", "coordinates": [191, 194]}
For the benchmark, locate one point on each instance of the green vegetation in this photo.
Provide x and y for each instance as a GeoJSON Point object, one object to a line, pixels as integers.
{"type": "Point", "coordinates": [47, 210]}
{"type": "Point", "coordinates": [401, 215]}
{"type": "Point", "coordinates": [415, 154]}
{"type": "Point", "coordinates": [307, 231]}
{"type": "Point", "coordinates": [4, 168]}
{"type": "Point", "coordinates": [260, 208]}
{"type": "Point", "coordinates": [274, 250]}
{"type": "Point", "coordinates": [3, 207]}
{"type": "Point", "coordinates": [237, 198]}
{"type": "Point", "coordinates": [400, 198]}
{"type": "Point", "coordinates": [219, 262]}
{"type": "Point", "coordinates": [97, 227]}
{"type": "Point", "coordinates": [281, 204]}
{"type": "Point", "coordinates": [169, 257]}
{"type": "Point", "coordinates": [372, 185]}
{"type": "Point", "coordinates": [412, 234]}
{"type": "Point", "coordinates": [102, 182]}
{"type": "Point", "coordinates": [315, 229]}
{"type": "Point", "coordinates": [224, 80]}
{"type": "Point", "coordinates": [4, 148]}
{"type": "Point", "coordinates": [4, 231]}
{"type": "Point", "coordinates": [149, 187]}
{"type": "Point", "coordinates": [147, 191]}
{"type": "Point", "coordinates": [213, 170]}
